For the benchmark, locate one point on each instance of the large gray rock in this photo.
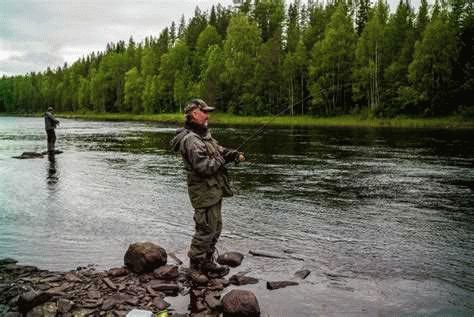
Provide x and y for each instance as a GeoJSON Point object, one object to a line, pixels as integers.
{"type": "Point", "coordinates": [144, 257]}
{"type": "Point", "coordinates": [240, 303]}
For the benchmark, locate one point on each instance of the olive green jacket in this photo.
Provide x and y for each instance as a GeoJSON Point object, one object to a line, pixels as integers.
{"type": "Point", "coordinates": [204, 160]}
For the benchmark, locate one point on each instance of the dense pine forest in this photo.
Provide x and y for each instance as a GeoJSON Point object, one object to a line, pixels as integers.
{"type": "Point", "coordinates": [268, 56]}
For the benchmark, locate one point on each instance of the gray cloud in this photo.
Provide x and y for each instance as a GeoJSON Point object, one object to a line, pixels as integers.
{"type": "Point", "coordinates": [35, 34]}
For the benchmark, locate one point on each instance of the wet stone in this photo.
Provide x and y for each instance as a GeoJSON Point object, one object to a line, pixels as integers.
{"type": "Point", "coordinates": [280, 284]}
{"type": "Point", "coordinates": [302, 274]}
{"type": "Point", "coordinates": [213, 301]}
{"type": "Point", "coordinates": [166, 272]}
{"type": "Point", "coordinates": [48, 309]}
{"type": "Point", "coordinates": [32, 299]}
{"type": "Point", "coordinates": [240, 303]}
{"type": "Point", "coordinates": [160, 303]}
{"type": "Point", "coordinates": [242, 280]}
{"type": "Point", "coordinates": [6, 261]}
{"type": "Point", "coordinates": [232, 259]}
{"type": "Point", "coordinates": [64, 305]}
{"type": "Point", "coordinates": [164, 286]}
{"type": "Point", "coordinates": [118, 271]}
{"type": "Point", "coordinates": [144, 257]}
{"type": "Point", "coordinates": [71, 277]}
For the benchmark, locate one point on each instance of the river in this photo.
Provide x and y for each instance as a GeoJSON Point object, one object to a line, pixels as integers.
{"type": "Point", "coordinates": [383, 218]}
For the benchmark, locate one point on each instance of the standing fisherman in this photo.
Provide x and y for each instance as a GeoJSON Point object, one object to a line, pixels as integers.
{"type": "Point", "coordinates": [50, 123]}
{"type": "Point", "coordinates": [204, 160]}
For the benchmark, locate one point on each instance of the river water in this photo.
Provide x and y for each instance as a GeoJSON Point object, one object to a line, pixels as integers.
{"type": "Point", "coordinates": [383, 218]}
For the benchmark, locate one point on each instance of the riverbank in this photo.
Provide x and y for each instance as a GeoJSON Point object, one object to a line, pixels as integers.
{"type": "Point", "coordinates": [451, 122]}
{"type": "Point", "coordinates": [143, 283]}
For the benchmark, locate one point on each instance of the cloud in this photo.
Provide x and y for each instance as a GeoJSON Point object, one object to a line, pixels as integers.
{"type": "Point", "coordinates": [36, 34]}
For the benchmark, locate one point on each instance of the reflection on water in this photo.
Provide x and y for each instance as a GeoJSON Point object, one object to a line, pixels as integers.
{"type": "Point", "coordinates": [53, 175]}
{"type": "Point", "coordinates": [382, 217]}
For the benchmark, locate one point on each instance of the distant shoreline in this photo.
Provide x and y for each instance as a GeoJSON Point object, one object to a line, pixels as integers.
{"type": "Point", "coordinates": [450, 122]}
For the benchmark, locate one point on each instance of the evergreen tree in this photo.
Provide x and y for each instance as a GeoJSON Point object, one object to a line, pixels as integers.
{"type": "Point", "coordinates": [331, 64]}
{"type": "Point", "coordinates": [293, 28]}
{"type": "Point", "coordinates": [432, 65]}
{"type": "Point", "coordinates": [363, 9]}
{"type": "Point", "coordinates": [422, 19]}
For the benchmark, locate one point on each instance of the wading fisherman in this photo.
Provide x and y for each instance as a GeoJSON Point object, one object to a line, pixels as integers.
{"type": "Point", "coordinates": [204, 160]}
{"type": "Point", "coordinates": [50, 123]}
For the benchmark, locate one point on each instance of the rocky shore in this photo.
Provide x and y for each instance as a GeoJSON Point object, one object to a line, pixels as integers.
{"type": "Point", "coordinates": [143, 283]}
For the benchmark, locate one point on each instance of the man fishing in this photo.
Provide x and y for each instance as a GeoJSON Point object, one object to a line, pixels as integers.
{"type": "Point", "coordinates": [204, 160]}
{"type": "Point", "coordinates": [50, 123]}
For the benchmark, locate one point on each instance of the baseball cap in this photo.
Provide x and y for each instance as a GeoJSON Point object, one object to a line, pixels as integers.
{"type": "Point", "coordinates": [198, 104]}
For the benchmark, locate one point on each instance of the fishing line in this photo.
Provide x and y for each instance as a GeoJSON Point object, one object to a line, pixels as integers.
{"type": "Point", "coordinates": [261, 130]}
{"type": "Point", "coordinates": [273, 117]}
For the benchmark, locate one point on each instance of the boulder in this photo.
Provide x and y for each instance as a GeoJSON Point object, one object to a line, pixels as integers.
{"type": "Point", "coordinates": [232, 259]}
{"type": "Point", "coordinates": [240, 303]}
{"type": "Point", "coordinates": [166, 272]}
{"type": "Point", "coordinates": [144, 257]}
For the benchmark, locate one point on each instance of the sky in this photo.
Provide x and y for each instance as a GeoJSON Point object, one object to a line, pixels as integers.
{"type": "Point", "coordinates": [36, 34]}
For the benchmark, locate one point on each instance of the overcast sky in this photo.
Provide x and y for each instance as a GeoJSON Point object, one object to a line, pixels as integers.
{"type": "Point", "coordinates": [35, 34]}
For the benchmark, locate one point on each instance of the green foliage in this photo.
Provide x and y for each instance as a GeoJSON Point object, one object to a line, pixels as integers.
{"type": "Point", "coordinates": [370, 61]}
{"type": "Point", "coordinates": [432, 65]}
{"type": "Point", "coordinates": [133, 92]}
{"type": "Point", "coordinates": [331, 64]}
{"type": "Point", "coordinates": [333, 57]}
{"type": "Point", "coordinates": [240, 55]}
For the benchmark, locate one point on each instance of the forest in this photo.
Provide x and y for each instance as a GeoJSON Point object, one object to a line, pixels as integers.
{"type": "Point", "coordinates": [267, 57]}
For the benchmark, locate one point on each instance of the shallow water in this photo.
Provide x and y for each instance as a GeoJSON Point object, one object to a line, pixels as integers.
{"type": "Point", "coordinates": [383, 218]}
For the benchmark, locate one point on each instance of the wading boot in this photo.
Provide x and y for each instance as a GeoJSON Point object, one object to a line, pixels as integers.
{"type": "Point", "coordinates": [212, 269]}
{"type": "Point", "coordinates": [196, 273]}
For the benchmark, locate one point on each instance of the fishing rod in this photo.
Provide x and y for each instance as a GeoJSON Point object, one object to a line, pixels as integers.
{"type": "Point", "coordinates": [273, 117]}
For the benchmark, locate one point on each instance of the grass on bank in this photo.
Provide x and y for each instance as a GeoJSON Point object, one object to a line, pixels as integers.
{"type": "Point", "coordinates": [451, 122]}
{"type": "Point", "coordinates": [336, 121]}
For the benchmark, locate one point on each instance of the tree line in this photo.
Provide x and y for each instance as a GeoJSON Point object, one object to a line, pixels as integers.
{"type": "Point", "coordinates": [265, 57]}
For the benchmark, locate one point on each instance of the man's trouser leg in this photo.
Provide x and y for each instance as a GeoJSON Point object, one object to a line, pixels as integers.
{"type": "Point", "coordinates": [51, 140]}
{"type": "Point", "coordinates": [208, 222]}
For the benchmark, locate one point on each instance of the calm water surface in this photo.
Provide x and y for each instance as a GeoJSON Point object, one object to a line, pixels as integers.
{"type": "Point", "coordinates": [383, 218]}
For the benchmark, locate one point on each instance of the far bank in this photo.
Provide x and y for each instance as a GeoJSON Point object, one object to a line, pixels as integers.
{"type": "Point", "coordinates": [450, 122]}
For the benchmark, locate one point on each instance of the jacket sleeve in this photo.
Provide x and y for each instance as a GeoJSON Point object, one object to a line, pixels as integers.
{"type": "Point", "coordinates": [50, 116]}
{"type": "Point", "coordinates": [229, 155]}
{"type": "Point", "coordinates": [197, 157]}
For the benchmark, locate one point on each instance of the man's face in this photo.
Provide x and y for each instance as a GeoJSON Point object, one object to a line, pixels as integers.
{"type": "Point", "coordinates": [200, 117]}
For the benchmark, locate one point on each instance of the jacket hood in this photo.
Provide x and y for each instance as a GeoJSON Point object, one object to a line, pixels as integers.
{"type": "Point", "coordinates": [180, 134]}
